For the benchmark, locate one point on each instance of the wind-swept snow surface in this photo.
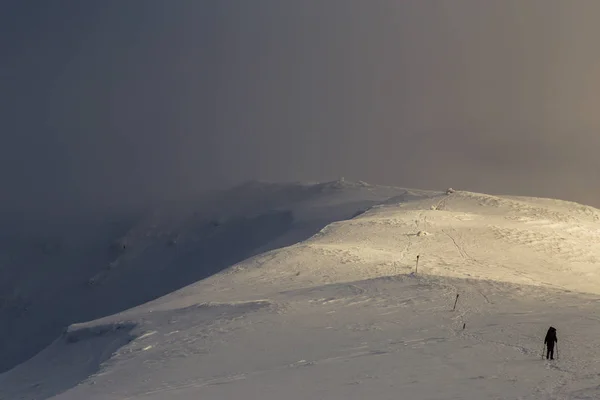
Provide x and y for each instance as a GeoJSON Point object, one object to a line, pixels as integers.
{"type": "Point", "coordinates": [341, 315]}
{"type": "Point", "coordinates": [385, 338]}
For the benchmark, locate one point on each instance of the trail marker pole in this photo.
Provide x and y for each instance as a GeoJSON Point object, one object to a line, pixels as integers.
{"type": "Point", "coordinates": [455, 301]}
{"type": "Point", "coordinates": [417, 265]}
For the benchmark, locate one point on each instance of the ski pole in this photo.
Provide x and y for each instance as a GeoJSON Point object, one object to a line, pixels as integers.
{"type": "Point", "coordinates": [556, 351]}
{"type": "Point", "coordinates": [543, 348]}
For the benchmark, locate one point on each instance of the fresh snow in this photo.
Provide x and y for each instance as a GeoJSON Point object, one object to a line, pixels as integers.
{"type": "Point", "coordinates": [327, 304]}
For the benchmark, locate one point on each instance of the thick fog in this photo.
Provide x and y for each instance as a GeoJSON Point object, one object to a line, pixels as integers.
{"type": "Point", "coordinates": [125, 103]}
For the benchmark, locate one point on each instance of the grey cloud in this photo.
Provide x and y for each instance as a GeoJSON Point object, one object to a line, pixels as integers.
{"type": "Point", "coordinates": [128, 103]}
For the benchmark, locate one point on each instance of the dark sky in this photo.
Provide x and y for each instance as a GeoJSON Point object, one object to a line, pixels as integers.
{"type": "Point", "coordinates": [119, 103]}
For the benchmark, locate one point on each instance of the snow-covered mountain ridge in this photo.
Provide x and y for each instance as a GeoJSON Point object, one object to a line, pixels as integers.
{"type": "Point", "coordinates": [519, 240]}
{"type": "Point", "coordinates": [271, 287]}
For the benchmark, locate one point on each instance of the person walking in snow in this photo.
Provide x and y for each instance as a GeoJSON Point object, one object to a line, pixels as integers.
{"type": "Point", "coordinates": [549, 341]}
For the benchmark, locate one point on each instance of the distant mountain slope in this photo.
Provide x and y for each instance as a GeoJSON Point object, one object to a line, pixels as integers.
{"type": "Point", "coordinates": [90, 270]}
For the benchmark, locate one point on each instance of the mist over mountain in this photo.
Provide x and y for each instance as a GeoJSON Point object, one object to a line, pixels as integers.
{"type": "Point", "coordinates": [126, 105]}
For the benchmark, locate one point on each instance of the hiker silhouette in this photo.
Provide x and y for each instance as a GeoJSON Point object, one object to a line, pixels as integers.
{"type": "Point", "coordinates": [549, 341]}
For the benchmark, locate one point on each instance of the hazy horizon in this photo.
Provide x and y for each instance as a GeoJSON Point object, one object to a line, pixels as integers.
{"type": "Point", "coordinates": [125, 104]}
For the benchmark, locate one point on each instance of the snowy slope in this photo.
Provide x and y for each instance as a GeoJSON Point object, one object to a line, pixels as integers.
{"type": "Point", "coordinates": [341, 315]}
{"type": "Point", "coordinates": [83, 270]}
